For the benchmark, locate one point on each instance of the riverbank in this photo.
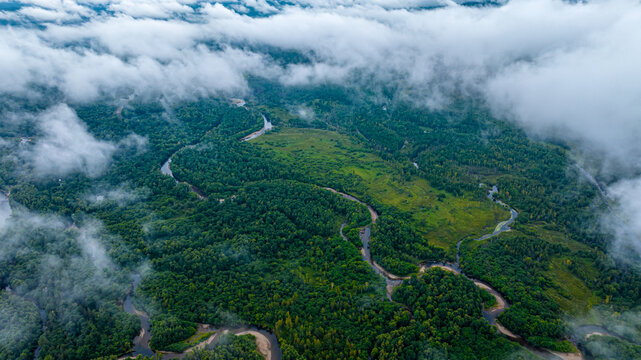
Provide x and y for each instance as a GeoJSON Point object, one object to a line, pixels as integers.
{"type": "Point", "coordinates": [266, 342]}
{"type": "Point", "coordinates": [490, 314]}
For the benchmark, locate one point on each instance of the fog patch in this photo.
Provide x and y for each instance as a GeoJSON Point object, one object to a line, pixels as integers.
{"type": "Point", "coordinates": [606, 321]}
{"type": "Point", "coordinates": [5, 209]}
{"type": "Point", "coordinates": [624, 220]}
{"type": "Point", "coordinates": [65, 263]}
{"type": "Point", "coordinates": [66, 146]}
{"type": "Point", "coordinates": [566, 71]}
{"type": "Point", "coordinates": [122, 195]}
{"type": "Point", "coordinates": [62, 267]}
{"type": "Point", "coordinates": [303, 112]}
{"type": "Point", "coordinates": [134, 141]}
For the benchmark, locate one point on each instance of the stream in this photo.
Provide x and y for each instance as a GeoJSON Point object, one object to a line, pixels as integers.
{"type": "Point", "coordinates": [489, 314]}
{"type": "Point", "coordinates": [266, 342]}
{"type": "Point", "coordinates": [267, 125]}
{"type": "Point", "coordinates": [141, 341]}
{"type": "Point", "coordinates": [391, 280]}
{"type": "Point", "coordinates": [165, 169]}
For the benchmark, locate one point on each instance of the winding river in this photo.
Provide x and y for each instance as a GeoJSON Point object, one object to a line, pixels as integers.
{"type": "Point", "coordinates": [490, 314]}
{"type": "Point", "coordinates": [141, 341]}
{"type": "Point", "coordinates": [266, 342]}
{"type": "Point", "coordinates": [267, 125]}
{"type": "Point", "coordinates": [165, 169]}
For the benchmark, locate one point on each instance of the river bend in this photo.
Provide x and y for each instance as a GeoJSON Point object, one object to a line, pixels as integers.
{"type": "Point", "coordinates": [490, 314]}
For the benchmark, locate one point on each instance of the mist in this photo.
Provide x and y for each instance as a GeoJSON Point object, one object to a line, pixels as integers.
{"type": "Point", "coordinates": [57, 269]}
{"type": "Point", "coordinates": [563, 71]}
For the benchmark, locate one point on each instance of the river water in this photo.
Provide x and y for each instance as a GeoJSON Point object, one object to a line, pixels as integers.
{"type": "Point", "coordinates": [165, 169]}
{"type": "Point", "coordinates": [266, 341]}
{"type": "Point", "coordinates": [141, 341]}
{"type": "Point", "coordinates": [267, 125]}
{"type": "Point", "coordinates": [392, 280]}
{"type": "Point", "coordinates": [489, 314]}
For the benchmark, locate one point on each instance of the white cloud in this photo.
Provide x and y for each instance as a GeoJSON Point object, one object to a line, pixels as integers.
{"type": "Point", "coordinates": [66, 146]}
{"type": "Point", "coordinates": [588, 94]}
{"type": "Point", "coordinates": [5, 210]}
{"type": "Point", "coordinates": [121, 195]}
{"type": "Point", "coordinates": [40, 14]}
{"type": "Point", "coordinates": [563, 70]}
{"type": "Point", "coordinates": [151, 8]}
{"type": "Point", "coordinates": [625, 220]}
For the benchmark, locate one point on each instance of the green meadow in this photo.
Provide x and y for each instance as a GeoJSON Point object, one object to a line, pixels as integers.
{"type": "Point", "coordinates": [334, 159]}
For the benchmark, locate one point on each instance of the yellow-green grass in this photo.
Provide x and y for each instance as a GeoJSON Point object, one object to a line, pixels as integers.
{"type": "Point", "coordinates": [193, 340]}
{"type": "Point", "coordinates": [570, 292]}
{"type": "Point", "coordinates": [199, 337]}
{"type": "Point", "coordinates": [548, 233]}
{"type": "Point", "coordinates": [330, 154]}
{"type": "Point", "coordinates": [572, 295]}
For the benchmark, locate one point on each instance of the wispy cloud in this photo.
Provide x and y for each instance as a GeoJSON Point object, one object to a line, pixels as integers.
{"type": "Point", "coordinates": [562, 70]}
{"type": "Point", "coordinates": [66, 146]}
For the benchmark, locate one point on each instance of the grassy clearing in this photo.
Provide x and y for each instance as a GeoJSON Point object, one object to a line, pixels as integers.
{"type": "Point", "coordinates": [441, 218]}
{"type": "Point", "coordinates": [572, 295]}
{"type": "Point", "coordinates": [193, 340]}
{"type": "Point", "coordinates": [569, 291]}
{"type": "Point", "coordinates": [556, 237]}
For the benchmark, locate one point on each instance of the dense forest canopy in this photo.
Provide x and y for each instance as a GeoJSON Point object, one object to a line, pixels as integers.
{"type": "Point", "coordinates": [246, 233]}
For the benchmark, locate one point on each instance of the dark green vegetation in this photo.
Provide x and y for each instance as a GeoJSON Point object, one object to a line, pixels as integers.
{"type": "Point", "coordinates": [229, 348]}
{"type": "Point", "coordinates": [168, 330]}
{"type": "Point", "coordinates": [398, 247]}
{"type": "Point", "coordinates": [21, 324]}
{"type": "Point", "coordinates": [606, 347]}
{"type": "Point", "coordinates": [446, 309]}
{"type": "Point", "coordinates": [392, 186]}
{"type": "Point", "coordinates": [509, 263]}
{"type": "Point", "coordinates": [77, 295]}
{"type": "Point", "coordinates": [264, 248]}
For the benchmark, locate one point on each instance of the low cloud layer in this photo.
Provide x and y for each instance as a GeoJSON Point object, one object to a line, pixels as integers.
{"type": "Point", "coordinates": [101, 195]}
{"type": "Point", "coordinates": [625, 219]}
{"type": "Point", "coordinates": [68, 260]}
{"type": "Point", "coordinates": [562, 70]}
{"type": "Point", "coordinates": [66, 146]}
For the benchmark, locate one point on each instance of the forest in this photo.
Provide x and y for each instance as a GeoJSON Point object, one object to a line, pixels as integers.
{"type": "Point", "coordinates": [246, 233]}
